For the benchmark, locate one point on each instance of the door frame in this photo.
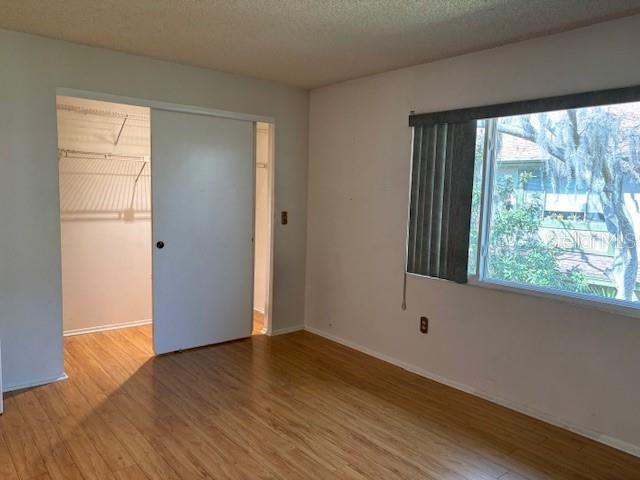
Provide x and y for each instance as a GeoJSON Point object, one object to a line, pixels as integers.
{"type": "Point", "coordinates": [271, 181]}
{"type": "Point", "coordinates": [159, 105]}
{"type": "Point", "coordinates": [193, 109]}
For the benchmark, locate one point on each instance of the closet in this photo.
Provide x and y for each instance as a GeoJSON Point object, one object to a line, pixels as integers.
{"type": "Point", "coordinates": [178, 246]}
{"type": "Point", "coordinates": [104, 152]}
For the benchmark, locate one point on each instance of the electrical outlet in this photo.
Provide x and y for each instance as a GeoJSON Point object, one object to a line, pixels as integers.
{"type": "Point", "coordinates": [424, 325]}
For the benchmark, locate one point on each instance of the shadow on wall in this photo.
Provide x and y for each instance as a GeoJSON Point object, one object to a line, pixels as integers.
{"type": "Point", "coordinates": [105, 226]}
{"type": "Point", "coordinates": [108, 188]}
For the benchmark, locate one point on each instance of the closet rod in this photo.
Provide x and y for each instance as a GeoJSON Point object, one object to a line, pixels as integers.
{"type": "Point", "coordinates": [62, 152]}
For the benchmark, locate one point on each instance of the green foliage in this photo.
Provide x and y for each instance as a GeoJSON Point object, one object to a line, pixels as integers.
{"type": "Point", "coordinates": [517, 253]}
{"type": "Point", "coordinates": [603, 291]}
{"type": "Point", "coordinates": [594, 149]}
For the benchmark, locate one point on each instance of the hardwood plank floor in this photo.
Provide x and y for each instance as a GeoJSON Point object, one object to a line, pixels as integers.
{"type": "Point", "coordinates": [294, 406]}
{"type": "Point", "coordinates": [258, 323]}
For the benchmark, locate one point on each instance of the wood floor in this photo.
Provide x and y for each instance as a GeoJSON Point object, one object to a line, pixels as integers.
{"type": "Point", "coordinates": [295, 406]}
{"type": "Point", "coordinates": [258, 323]}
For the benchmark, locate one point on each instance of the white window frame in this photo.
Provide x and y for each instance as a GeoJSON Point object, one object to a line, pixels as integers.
{"type": "Point", "coordinates": [480, 278]}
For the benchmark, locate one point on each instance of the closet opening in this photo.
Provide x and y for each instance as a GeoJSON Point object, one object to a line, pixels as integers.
{"type": "Point", "coordinates": [218, 196]}
{"type": "Point", "coordinates": [263, 228]}
{"type": "Point", "coordinates": [104, 152]}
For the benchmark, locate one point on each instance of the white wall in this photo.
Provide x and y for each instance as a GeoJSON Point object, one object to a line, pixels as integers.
{"type": "Point", "coordinates": [32, 68]}
{"type": "Point", "coordinates": [263, 216]}
{"type": "Point", "coordinates": [576, 366]}
{"type": "Point", "coordinates": [105, 220]}
{"type": "Point", "coordinates": [106, 273]}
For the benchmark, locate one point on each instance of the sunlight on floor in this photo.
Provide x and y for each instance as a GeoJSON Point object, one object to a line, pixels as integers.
{"type": "Point", "coordinates": [258, 323]}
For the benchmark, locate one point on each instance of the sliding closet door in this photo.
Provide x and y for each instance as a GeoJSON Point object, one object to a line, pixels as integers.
{"type": "Point", "coordinates": [203, 191]}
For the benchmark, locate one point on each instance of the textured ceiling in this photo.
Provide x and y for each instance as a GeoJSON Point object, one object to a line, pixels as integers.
{"type": "Point", "coordinates": [306, 43]}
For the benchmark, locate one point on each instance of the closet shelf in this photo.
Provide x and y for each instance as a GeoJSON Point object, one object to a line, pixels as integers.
{"type": "Point", "coordinates": [80, 154]}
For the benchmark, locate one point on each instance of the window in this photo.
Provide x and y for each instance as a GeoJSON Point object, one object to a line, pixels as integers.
{"type": "Point", "coordinates": [561, 202]}
{"type": "Point", "coordinates": [546, 191]}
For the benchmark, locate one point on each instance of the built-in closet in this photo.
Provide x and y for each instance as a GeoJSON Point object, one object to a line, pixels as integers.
{"type": "Point", "coordinates": [104, 152]}
{"type": "Point", "coordinates": [209, 244]}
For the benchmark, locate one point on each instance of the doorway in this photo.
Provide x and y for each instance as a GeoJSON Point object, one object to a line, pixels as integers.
{"type": "Point", "coordinates": [104, 153]}
{"type": "Point", "coordinates": [110, 245]}
{"type": "Point", "coordinates": [263, 228]}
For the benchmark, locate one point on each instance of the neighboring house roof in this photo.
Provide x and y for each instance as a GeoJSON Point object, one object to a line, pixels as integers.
{"type": "Point", "coordinates": [514, 149]}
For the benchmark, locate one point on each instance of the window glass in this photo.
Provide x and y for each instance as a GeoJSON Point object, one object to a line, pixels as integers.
{"type": "Point", "coordinates": [565, 200]}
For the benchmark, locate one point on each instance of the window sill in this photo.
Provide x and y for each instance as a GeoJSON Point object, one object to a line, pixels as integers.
{"type": "Point", "coordinates": [605, 305]}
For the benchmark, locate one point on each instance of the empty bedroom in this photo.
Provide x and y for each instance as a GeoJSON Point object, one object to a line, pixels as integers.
{"type": "Point", "coordinates": [320, 240]}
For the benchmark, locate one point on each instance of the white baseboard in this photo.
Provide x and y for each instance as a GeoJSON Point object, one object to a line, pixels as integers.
{"type": "Point", "coordinates": [282, 331]}
{"type": "Point", "coordinates": [585, 432]}
{"type": "Point", "coordinates": [104, 328]}
{"type": "Point", "coordinates": [35, 383]}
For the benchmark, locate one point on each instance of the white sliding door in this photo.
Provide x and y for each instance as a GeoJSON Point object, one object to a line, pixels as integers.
{"type": "Point", "coordinates": [203, 218]}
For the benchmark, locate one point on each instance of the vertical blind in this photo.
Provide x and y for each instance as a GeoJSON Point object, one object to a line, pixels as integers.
{"type": "Point", "coordinates": [440, 204]}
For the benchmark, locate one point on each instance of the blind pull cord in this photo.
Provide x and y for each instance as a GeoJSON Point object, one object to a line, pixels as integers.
{"type": "Point", "coordinates": [404, 291]}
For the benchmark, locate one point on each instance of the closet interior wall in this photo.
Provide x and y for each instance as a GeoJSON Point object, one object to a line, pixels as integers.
{"type": "Point", "coordinates": [104, 154]}
{"type": "Point", "coordinates": [263, 219]}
